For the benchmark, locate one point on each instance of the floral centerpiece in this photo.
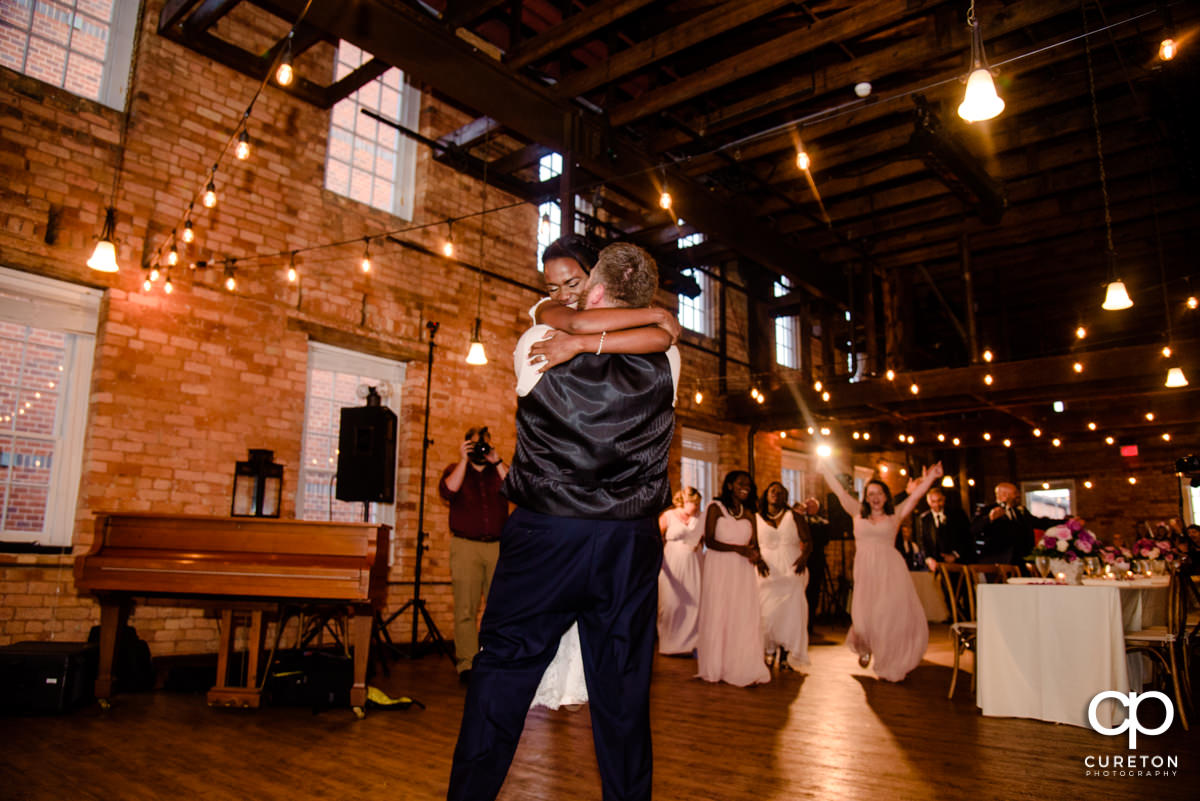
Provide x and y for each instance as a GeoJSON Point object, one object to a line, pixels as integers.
{"type": "Point", "coordinates": [1147, 548]}
{"type": "Point", "coordinates": [1117, 558]}
{"type": "Point", "coordinates": [1069, 541]}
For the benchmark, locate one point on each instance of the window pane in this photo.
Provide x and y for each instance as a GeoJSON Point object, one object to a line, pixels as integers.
{"type": "Point", "coordinates": [46, 62]}
{"type": "Point", "coordinates": [84, 75]}
{"type": "Point", "coordinates": [52, 21]}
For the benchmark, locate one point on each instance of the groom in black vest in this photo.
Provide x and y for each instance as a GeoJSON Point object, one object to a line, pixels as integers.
{"type": "Point", "coordinates": [589, 478]}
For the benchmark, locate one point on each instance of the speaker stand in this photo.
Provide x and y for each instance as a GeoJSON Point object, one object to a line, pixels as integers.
{"type": "Point", "coordinates": [417, 603]}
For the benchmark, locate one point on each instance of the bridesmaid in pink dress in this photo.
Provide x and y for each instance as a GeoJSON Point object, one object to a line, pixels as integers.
{"type": "Point", "coordinates": [730, 643]}
{"type": "Point", "coordinates": [887, 619]}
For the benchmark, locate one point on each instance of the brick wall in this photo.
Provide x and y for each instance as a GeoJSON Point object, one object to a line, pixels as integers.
{"type": "Point", "coordinates": [184, 384]}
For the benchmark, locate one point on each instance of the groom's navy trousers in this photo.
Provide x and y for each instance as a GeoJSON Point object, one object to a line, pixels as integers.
{"type": "Point", "coordinates": [552, 572]}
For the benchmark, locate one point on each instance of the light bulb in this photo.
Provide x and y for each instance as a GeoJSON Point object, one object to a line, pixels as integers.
{"type": "Point", "coordinates": [761, 398]}
{"type": "Point", "coordinates": [210, 195]}
{"type": "Point", "coordinates": [292, 275]}
{"type": "Point", "coordinates": [1166, 437]}
{"type": "Point", "coordinates": [664, 200]}
{"type": "Point", "coordinates": [1056, 442]}
{"type": "Point", "coordinates": [1080, 332]}
{"type": "Point", "coordinates": [947, 481]}
{"type": "Point", "coordinates": [168, 287]}
{"type": "Point", "coordinates": [172, 256]}
{"type": "Point", "coordinates": [1176, 378]}
{"type": "Point", "coordinates": [699, 397]}
{"type": "Point", "coordinates": [1167, 49]}
{"type": "Point", "coordinates": [803, 161]}
{"type": "Point", "coordinates": [1109, 440]}
{"type": "Point", "coordinates": [890, 375]}
{"type": "Point", "coordinates": [980, 101]}
{"type": "Point", "coordinates": [987, 437]}
{"type": "Point", "coordinates": [1091, 426]}
{"type": "Point", "coordinates": [189, 234]}
{"type": "Point", "coordinates": [987, 379]}
{"type": "Point", "coordinates": [242, 151]}
{"type": "Point", "coordinates": [366, 265]}
{"type": "Point", "coordinates": [970, 482]}
{"type": "Point", "coordinates": [230, 283]}
{"type": "Point", "coordinates": [448, 249]}
{"type": "Point", "coordinates": [1008, 443]}
{"type": "Point", "coordinates": [783, 435]}
{"type": "Point", "coordinates": [901, 437]}
{"type": "Point", "coordinates": [911, 439]}
{"type": "Point", "coordinates": [544, 226]}
{"type": "Point", "coordinates": [285, 73]}
{"type": "Point", "coordinates": [1132, 479]}
{"type": "Point", "coordinates": [825, 397]}
{"type": "Point", "coordinates": [956, 442]}
{"type": "Point", "coordinates": [866, 435]}
{"type": "Point", "coordinates": [941, 437]}
{"type": "Point", "coordinates": [1077, 367]}
{"type": "Point", "coordinates": [914, 389]}
{"type": "Point", "coordinates": [1166, 351]}
{"type": "Point", "coordinates": [1150, 416]}
{"type": "Point", "coordinates": [825, 431]}
{"type": "Point", "coordinates": [987, 356]}
{"type": "Point", "coordinates": [856, 435]}
{"type": "Point", "coordinates": [1087, 485]}
{"type": "Point", "coordinates": [818, 386]}
{"type": "Point", "coordinates": [824, 451]}
{"type": "Point", "coordinates": [1037, 432]}
{"type": "Point", "coordinates": [146, 285]}
{"type": "Point", "coordinates": [153, 273]}
{"type": "Point", "coordinates": [1192, 302]}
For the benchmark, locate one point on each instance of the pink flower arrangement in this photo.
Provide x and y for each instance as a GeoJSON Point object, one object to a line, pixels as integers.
{"type": "Point", "coordinates": [1069, 541]}
{"type": "Point", "coordinates": [1147, 548]}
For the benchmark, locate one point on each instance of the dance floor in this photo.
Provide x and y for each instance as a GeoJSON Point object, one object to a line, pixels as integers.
{"type": "Point", "coordinates": [835, 733]}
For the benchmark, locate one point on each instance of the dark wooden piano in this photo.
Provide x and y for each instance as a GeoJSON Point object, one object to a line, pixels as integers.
{"type": "Point", "coordinates": [239, 564]}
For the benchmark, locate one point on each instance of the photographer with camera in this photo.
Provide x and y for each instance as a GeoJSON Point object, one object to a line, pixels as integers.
{"type": "Point", "coordinates": [478, 513]}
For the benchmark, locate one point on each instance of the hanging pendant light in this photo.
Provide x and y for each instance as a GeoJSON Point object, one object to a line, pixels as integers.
{"type": "Point", "coordinates": [285, 72]}
{"type": "Point", "coordinates": [1115, 296]}
{"type": "Point", "coordinates": [980, 101]}
{"type": "Point", "coordinates": [104, 256]}
{"type": "Point", "coordinates": [1176, 378]}
{"type": "Point", "coordinates": [476, 355]}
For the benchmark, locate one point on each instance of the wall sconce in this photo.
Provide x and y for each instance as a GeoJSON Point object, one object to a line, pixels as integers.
{"type": "Point", "coordinates": [257, 485]}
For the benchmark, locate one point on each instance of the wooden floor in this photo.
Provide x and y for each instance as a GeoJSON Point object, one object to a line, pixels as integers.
{"type": "Point", "coordinates": [835, 734]}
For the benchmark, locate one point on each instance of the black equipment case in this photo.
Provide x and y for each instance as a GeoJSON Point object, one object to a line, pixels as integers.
{"type": "Point", "coordinates": [43, 677]}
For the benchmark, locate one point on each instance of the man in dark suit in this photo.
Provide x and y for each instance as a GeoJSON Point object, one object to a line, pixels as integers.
{"type": "Point", "coordinates": [1005, 528]}
{"type": "Point", "coordinates": [944, 533]}
{"type": "Point", "coordinates": [583, 545]}
{"type": "Point", "coordinates": [818, 526]}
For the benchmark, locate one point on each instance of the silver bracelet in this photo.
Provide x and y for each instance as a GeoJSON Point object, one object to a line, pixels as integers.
{"type": "Point", "coordinates": [600, 347]}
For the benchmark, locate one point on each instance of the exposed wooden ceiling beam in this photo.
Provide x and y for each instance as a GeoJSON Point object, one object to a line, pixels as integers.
{"type": "Point", "coordinates": [856, 21]}
{"type": "Point", "coordinates": [355, 80]}
{"type": "Point", "coordinates": [464, 12]}
{"type": "Point", "coordinates": [469, 134]}
{"type": "Point", "coordinates": [572, 29]}
{"type": "Point", "coordinates": [208, 14]}
{"type": "Point", "coordinates": [698, 29]}
{"type": "Point", "coordinates": [425, 49]}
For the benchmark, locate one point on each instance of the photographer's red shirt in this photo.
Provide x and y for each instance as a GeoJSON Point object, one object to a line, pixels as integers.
{"type": "Point", "coordinates": [477, 511]}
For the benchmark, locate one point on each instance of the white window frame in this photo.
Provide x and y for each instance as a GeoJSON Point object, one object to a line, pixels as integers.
{"type": "Point", "coordinates": [404, 178]}
{"type": "Point", "coordinates": [549, 216]}
{"type": "Point", "coordinates": [1068, 484]}
{"type": "Point", "coordinates": [796, 463]}
{"type": "Point", "coordinates": [1191, 501]}
{"type": "Point", "coordinates": [55, 305]}
{"type": "Point", "coordinates": [698, 467]}
{"type": "Point", "coordinates": [341, 360]}
{"type": "Point", "coordinates": [787, 331]}
{"type": "Point", "coordinates": [698, 314]}
{"type": "Point", "coordinates": [114, 79]}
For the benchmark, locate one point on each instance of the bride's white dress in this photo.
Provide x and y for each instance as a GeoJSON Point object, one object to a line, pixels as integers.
{"type": "Point", "coordinates": [563, 684]}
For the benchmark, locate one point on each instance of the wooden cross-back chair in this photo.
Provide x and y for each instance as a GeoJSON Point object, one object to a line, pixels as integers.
{"type": "Point", "coordinates": [960, 588]}
{"type": "Point", "coordinates": [1164, 644]}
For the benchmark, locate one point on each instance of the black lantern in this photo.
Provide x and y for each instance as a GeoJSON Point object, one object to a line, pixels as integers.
{"type": "Point", "coordinates": [257, 485]}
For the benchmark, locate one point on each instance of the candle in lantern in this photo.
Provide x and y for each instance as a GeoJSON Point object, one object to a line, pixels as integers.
{"type": "Point", "coordinates": [1061, 577]}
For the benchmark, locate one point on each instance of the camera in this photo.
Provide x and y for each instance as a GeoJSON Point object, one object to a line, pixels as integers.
{"type": "Point", "coordinates": [480, 449]}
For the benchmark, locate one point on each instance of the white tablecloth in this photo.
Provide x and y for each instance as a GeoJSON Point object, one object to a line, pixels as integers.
{"type": "Point", "coordinates": [1044, 651]}
{"type": "Point", "coordinates": [929, 590]}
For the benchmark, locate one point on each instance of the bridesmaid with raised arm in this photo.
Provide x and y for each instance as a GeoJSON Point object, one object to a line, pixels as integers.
{"type": "Point", "coordinates": [679, 581]}
{"type": "Point", "coordinates": [887, 620]}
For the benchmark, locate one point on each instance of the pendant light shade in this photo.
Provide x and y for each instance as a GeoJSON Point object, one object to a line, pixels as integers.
{"type": "Point", "coordinates": [104, 257]}
{"type": "Point", "coordinates": [980, 101]}
{"type": "Point", "coordinates": [1176, 378]}
{"type": "Point", "coordinates": [1116, 298]}
{"type": "Point", "coordinates": [476, 354]}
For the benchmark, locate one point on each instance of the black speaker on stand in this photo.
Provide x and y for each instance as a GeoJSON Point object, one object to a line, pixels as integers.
{"type": "Point", "coordinates": [366, 466]}
{"type": "Point", "coordinates": [417, 603]}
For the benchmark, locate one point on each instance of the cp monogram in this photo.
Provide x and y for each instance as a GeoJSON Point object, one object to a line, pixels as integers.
{"type": "Point", "coordinates": [1131, 720]}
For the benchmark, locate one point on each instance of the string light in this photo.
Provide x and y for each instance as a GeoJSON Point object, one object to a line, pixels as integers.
{"type": "Point", "coordinates": [366, 259]}
{"type": "Point", "coordinates": [987, 437]}
{"type": "Point", "coordinates": [242, 151]}
{"type": "Point", "coordinates": [147, 285]}
{"type": "Point", "coordinates": [699, 397]}
{"type": "Point", "coordinates": [817, 385]}
{"type": "Point", "coordinates": [1150, 416]}
{"type": "Point", "coordinates": [230, 280]}
{"type": "Point", "coordinates": [189, 234]}
{"type": "Point", "coordinates": [825, 397]}
{"type": "Point", "coordinates": [1080, 332]}
{"type": "Point", "coordinates": [292, 275]}
{"type": "Point", "coordinates": [783, 435]}
{"type": "Point", "coordinates": [1091, 426]}
{"type": "Point", "coordinates": [911, 439]}
{"type": "Point", "coordinates": [941, 437]}
{"type": "Point", "coordinates": [153, 273]}
{"type": "Point", "coordinates": [970, 482]}
{"type": "Point", "coordinates": [856, 435]}
{"type": "Point", "coordinates": [285, 73]}
{"type": "Point", "coordinates": [1109, 440]}
{"type": "Point", "coordinates": [914, 389]}
{"type": "Point", "coordinates": [901, 437]}
{"type": "Point", "coordinates": [987, 356]}
{"type": "Point", "coordinates": [1037, 432]}
{"type": "Point", "coordinates": [1077, 367]}
{"type": "Point", "coordinates": [664, 200]}
{"type": "Point", "coordinates": [448, 245]}
{"type": "Point", "coordinates": [1008, 443]}
{"type": "Point", "coordinates": [1166, 351]}
{"type": "Point", "coordinates": [1133, 479]}
{"type": "Point", "coordinates": [168, 287]}
{"type": "Point", "coordinates": [1166, 437]}
{"type": "Point", "coordinates": [173, 253]}
{"type": "Point", "coordinates": [824, 431]}
{"type": "Point", "coordinates": [956, 441]}
{"type": "Point", "coordinates": [987, 379]}
{"type": "Point", "coordinates": [890, 375]}
{"type": "Point", "coordinates": [866, 435]}
{"type": "Point", "coordinates": [1087, 484]}
{"type": "Point", "coordinates": [1056, 442]}
{"type": "Point", "coordinates": [1167, 49]}
{"type": "Point", "coordinates": [803, 161]}
{"type": "Point", "coordinates": [1192, 302]}
{"type": "Point", "coordinates": [210, 193]}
